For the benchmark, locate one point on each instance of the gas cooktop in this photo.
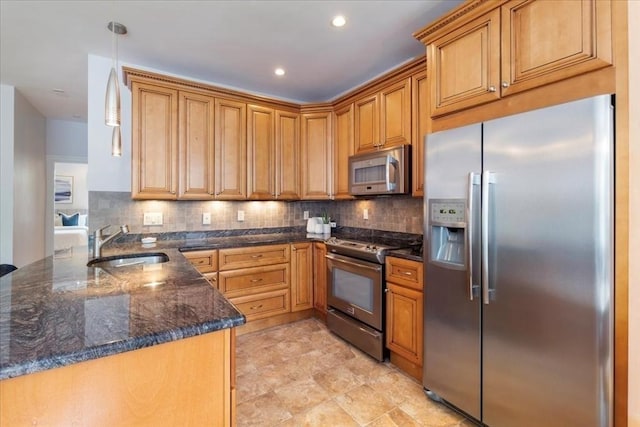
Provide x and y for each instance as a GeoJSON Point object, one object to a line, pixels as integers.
{"type": "Point", "coordinates": [374, 252]}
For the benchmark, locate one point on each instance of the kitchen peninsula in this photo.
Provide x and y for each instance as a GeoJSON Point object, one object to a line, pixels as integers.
{"type": "Point", "coordinates": [143, 344]}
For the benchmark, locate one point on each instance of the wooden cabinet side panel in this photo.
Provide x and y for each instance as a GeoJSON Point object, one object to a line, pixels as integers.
{"type": "Point", "coordinates": [185, 382]}
{"type": "Point", "coordinates": [230, 150]}
{"type": "Point", "coordinates": [287, 155]}
{"type": "Point", "coordinates": [261, 162]}
{"type": "Point", "coordinates": [301, 276]}
{"type": "Point", "coordinates": [154, 151]}
{"type": "Point", "coordinates": [320, 277]}
{"type": "Point", "coordinates": [395, 114]}
{"type": "Point", "coordinates": [343, 148]}
{"type": "Point", "coordinates": [316, 156]}
{"type": "Point", "coordinates": [404, 322]}
{"type": "Point", "coordinates": [366, 127]}
{"type": "Point", "coordinates": [543, 41]}
{"type": "Point", "coordinates": [195, 146]}
{"type": "Point", "coordinates": [464, 65]}
{"type": "Point", "coordinates": [420, 118]}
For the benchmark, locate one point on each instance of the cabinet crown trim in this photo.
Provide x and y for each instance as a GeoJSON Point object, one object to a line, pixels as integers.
{"type": "Point", "coordinates": [439, 27]}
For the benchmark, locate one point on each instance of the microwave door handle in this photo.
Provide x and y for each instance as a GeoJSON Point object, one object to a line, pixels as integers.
{"type": "Point", "coordinates": [391, 162]}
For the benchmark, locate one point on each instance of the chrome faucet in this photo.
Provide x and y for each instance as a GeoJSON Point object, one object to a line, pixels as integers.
{"type": "Point", "coordinates": [99, 241]}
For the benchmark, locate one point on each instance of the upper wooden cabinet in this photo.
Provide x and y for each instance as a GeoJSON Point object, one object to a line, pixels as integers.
{"type": "Point", "coordinates": [479, 52]}
{"type": "Point", "coordinates": [383, 119]}
{"type": "Point", "coordinates": [154, 142]}
{"type": "Point", "coordinates": [230, 150]}
{"type": "Point", "coordinates": [342, 149]}
{"type": "Point", "coordinates": [420, 128]}
{"type": "Point", "coordinates": [316, 155]}
{"type": "Point", "coordinates": [261, 153]}
{"type": "Point", "coordinates": [195, 146]}
{"type": "Point", "coordinates": [287, 155]}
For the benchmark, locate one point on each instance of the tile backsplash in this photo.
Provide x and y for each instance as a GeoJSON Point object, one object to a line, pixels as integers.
{"type": "Point", "coordinates": [394, 213]}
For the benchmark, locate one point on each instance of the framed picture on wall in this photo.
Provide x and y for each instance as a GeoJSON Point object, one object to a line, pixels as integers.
{"type": "Point", "coordinates": [63, 189]}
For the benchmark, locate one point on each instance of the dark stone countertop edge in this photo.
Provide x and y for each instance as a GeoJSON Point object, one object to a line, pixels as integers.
{"type": "Point", "coordinates": [409, 254]}
{"type": "Point", "coordinates": [111, 349]}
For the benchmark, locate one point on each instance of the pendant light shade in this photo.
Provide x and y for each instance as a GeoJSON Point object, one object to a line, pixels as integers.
{"type": "Point", "coordinates": [116, 142]}
{"type": "Point", "coordinates": [112, 100]}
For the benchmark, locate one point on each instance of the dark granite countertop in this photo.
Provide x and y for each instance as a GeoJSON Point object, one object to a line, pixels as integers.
{"type": "Point", "coordinates": [57, 311]}
{"type": "Point", "coordinates": [413, 254]}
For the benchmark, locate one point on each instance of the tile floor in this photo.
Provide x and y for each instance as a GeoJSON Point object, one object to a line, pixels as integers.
{"type": "Point", "coordinates": [300, 374]}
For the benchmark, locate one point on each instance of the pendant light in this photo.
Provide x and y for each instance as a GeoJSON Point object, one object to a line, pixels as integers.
{"type": "Point", "coordinates": [116, 142]}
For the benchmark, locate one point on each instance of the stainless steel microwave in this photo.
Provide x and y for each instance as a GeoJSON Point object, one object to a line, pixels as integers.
{"type": "Point", "coordinates": [385, 171]}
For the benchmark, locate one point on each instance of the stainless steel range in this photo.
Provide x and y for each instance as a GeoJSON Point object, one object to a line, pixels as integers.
{"type": "Point", "coordinates": [355, 293]}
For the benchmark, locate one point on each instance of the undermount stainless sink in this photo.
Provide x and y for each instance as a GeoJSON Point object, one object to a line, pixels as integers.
{"type": "Point", "coordinates": [128, 260]}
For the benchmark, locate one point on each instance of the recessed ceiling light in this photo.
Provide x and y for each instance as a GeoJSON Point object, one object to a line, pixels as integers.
{"type": "Point", "coordinates": [279, 71]}
{"type": "Point", "coordinates": [338, 21]}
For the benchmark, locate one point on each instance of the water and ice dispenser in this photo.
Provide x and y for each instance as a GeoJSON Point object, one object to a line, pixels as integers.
{"type": "Point", "coordinates": [448, 229]}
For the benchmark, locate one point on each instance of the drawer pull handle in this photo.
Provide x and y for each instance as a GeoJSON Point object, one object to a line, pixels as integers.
{"type": "Point", "coordinates": [407, 273]}
{"type": "Point", "coordinates": [255, 307]}
{"type": "Point", "coordinates": [256, 256]}
{"type": "Point", "coordinates": [255, 280]}
{"type": "Point", "coordinates": [201, 261]}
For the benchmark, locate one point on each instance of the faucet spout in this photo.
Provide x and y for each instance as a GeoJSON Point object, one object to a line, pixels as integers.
{"type": "Point", "coordinates": [99, 240]}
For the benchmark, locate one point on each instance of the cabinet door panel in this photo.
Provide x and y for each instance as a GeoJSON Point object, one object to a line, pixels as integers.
{"type": "Point", "coordinates": [316, 156]}
{"type": "Point", "coordinates": [544, 41]}
{"type": "Point", "coordinates": [404, 322]}
{"type": "Point", "coordinates": [154, 147]}
{"type": "Point", "coordinates": [464, 68]}
{"type": "Point", "coordinates": [420, 115]}
{"type": "Point", "coordinates": [395, 114]}
{"type": "Point", "coordinates": [287, 155]}
{"type": "Point", "coordinates": [230, 150]}
{"type": "Point", "coordinates": [196, 146]}
{"type": "Point", "coordinates": [343, 148]}
{"type": "Point", "coordinates": [261, 153]}
{"type": "Point", "coordinates": [367, 129]}
{"type": "Point", "coordinates": [320, 277]}
{"type": "Point", "coordinates": [301, 276]}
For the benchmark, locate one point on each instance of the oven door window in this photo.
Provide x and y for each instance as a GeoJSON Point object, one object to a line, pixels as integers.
{"type": "Point", "coordinates": [354, 288]}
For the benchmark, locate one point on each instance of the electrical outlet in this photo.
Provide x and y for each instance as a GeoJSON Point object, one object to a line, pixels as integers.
{"type": "Point", "coordinates": [152, 218]}
{"type": "Point", "coordinates": [206, 218]}
{"type": "Point", "coordinates": [305, 215]}
{"type": "Point", "coordinates": [333, 224]}
{"type": "Point", "coordinates": [365, 213]}
{"type": "Point", "coordinates": [240, 215]}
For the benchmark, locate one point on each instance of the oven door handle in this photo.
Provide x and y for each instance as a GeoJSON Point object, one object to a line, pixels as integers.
{"type": "Point", "coordinates": [344, 260]}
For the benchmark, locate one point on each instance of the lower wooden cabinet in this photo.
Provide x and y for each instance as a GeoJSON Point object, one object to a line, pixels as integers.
{"type": "Point", "coordinates": [320, 277]}
{"type": "Point", "coordinates": [301, 276]}
{"type": "Point", "coordinates": [405, 313]}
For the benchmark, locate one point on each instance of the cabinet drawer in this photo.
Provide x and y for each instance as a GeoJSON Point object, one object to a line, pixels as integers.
{"type": "Point", "coordinates": [248, 281]}
{"type": "Point", "coordinates": [204, 261]}
{"type": "Point", "coordinates": [255, 256]}
{"type": "Point", "coordinates": [404, 272]}
{"type": "Point", "coordinates": [263, 305]}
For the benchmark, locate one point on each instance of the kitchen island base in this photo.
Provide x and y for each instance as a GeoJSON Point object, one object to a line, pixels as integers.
{"type": "Point", "coordinates": [185, 382]}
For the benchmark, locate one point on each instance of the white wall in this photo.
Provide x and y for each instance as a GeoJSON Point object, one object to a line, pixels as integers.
{"type": "Point", "coordinates": [6, 173]}
{"type": "Point", "coordinates": [66, 138]}
{"type": "Point", "coordinates": [29, 183]}
{"type": "Point", "coordinates": [106, 173]}
{"type": "Point", "coordinates": [634, 215]}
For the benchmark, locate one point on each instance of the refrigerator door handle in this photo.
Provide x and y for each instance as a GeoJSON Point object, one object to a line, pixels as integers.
{"type": "Point", "coordinates": [473, 180]}
{"type": "Point", "coordinates": [487, 178]}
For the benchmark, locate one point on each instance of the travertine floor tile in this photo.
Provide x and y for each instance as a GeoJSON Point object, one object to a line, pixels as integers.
{"type": "Point", "coordinates": [300, 374]}
{"type": "Point", "coordinates": [364, 404]}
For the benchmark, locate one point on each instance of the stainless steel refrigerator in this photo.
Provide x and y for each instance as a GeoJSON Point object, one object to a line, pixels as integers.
{"type": "Point", "coordinates": [519, 267]}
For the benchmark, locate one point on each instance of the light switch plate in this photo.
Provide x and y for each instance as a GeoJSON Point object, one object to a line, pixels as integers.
{"type": "Point", "coordinates": [240, 215]}
{"type": "Point", "coordinates": [305, 215]}
{"type": "Point", "coordinates": [365, 214]}
{"type": "Point", "coordinates": [206, 218]}
{"type": "Point", "coordinates": [152, 218]}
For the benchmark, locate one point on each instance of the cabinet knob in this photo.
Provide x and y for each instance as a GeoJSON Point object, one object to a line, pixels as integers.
{"type": "Point", "coordinates": [293, 249]}
{"type": "Point", "coordinates": [505, 84]}
{"type": "Point", "coordinates": [492, 88]}
{"type": "Point", "coordinates": [386, 290]}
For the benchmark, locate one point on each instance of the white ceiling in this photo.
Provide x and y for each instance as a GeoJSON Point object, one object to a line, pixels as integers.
{"type": "Point", "coordinates": [44, 44]}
